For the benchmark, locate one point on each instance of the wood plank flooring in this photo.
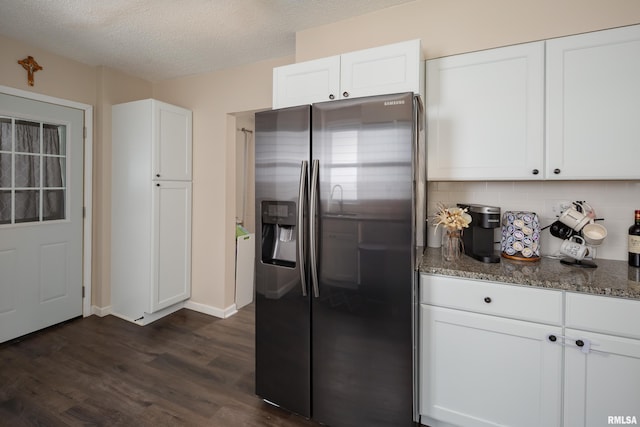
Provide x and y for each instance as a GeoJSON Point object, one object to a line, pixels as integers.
{"type": "Point", "coordinates": [187, 369]}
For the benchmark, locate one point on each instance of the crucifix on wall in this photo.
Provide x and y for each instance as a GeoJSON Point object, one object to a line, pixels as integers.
{"type": "Point", "coordinates": [31, 66]}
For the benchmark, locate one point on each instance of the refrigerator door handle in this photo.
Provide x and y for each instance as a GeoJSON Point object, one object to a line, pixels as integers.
{"type": "Point", "coordinates": [313, 203]}
{"type": "Point", "coordinates": [301, 242]}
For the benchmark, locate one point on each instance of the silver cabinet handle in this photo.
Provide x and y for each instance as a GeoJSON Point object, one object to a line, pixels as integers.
{"type": "Point", "coordinates": [313, 202]}
{"type": "Point", "coordinates": [301, 243]}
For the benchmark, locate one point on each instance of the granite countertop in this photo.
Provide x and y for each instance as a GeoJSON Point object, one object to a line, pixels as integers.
{"type": "Point", "coordinates": [611, 278]}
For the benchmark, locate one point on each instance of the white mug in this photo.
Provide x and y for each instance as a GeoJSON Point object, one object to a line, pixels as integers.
{"type": "Point", "coordinates": [574, 219]}
{"type": "Point", "coordinates": [594, 234]}
{"type": "Point", "coordinates": [576, 250]}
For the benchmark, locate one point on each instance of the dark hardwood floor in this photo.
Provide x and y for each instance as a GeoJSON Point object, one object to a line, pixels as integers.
{"type": "Point", "coordinates": [187, 369]}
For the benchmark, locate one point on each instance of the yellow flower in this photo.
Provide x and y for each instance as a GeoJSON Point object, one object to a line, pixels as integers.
{"type": "Point", "coordinates": [452, 218]}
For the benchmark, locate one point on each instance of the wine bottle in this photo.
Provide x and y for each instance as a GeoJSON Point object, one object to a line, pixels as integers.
{"type": "Point", "coordinates": [634, 241]}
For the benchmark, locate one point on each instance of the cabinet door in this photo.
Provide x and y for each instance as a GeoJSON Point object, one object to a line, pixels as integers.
{"type": "Point", "coordinates": [485, 114]}
{"type": "Point", "coordinates": [171, 150]}
{"type": "Point", "coordinates": [171, 243]}
{"type": "Point", "coordinates": [479, 370]}
{"type": "Point", "coordinates": [602, 382]}
{"type": "Point", "coordinates": [392, 68]}
{"type": "Point", "coordinates": [306, 82]}
{"type": "Point", "coordinates": [593, 94]}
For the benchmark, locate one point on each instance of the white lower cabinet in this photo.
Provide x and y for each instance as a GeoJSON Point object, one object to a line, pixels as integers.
{"type": "Point", "coordinates": [171, 228]}
{"type": "Point", "coordinates": [484, 364]}
{"type": "Point", "coordinates": [486, 370]}
{"type": "Point", "coordinates": [602, 370]}
{"type": "Point", "coordinates": [602, 380]}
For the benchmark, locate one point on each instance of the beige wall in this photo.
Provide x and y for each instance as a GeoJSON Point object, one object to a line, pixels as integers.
{"type": "Point", "coordinates": [214, 98]}
{"type": "Point", "coordinates": [448, 27]}
{"type": "Point", "coordinates": [60, 77]}
{"type": "Point", "coordinates": [114, 87]}
{"type": "Point", "coordinates": [98, 86]}
{"type": "Point", "coordinates": [445, 26]}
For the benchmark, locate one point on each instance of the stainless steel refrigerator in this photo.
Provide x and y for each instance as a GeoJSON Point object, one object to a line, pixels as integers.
{"type": "Point", "coordinates": [340, 212]}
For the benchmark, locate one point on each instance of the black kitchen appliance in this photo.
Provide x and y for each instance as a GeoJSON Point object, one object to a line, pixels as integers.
{"type": "Point", "coordinates": [340, 209]}
{"type": "Point", "coordinates": [479, 239]}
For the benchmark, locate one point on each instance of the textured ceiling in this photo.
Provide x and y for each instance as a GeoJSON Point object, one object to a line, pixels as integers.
{"type": "Point", "coordinates": [163, 39]}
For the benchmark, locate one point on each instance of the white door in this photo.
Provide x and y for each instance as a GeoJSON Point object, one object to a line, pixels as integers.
{"type": "Point", "coordinates": [485, 114]}
{"type": "Point", "coordinates": [171, 243]}
{"type": "Point", "coordinates": [592, 105]}
{"type": "Point", "coordinates": [392, 68]}
{"type": "Point", "coordinates": [41, 199]}
{"type": "Point", "coordinates": [306, 82]}
{"type": "Point", "coordinates": [602, 379]}
{"type": "Point", "coordinates": [171, 150]}
{"type": "Point", "coordinates": [481, 371]}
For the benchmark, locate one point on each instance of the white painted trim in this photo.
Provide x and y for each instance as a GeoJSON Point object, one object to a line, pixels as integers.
{"type": "Point", "coordinates": [222, 313]}
{"type": "Point", "coordinates": [88, 180]}
{"type": "Point", "coordinates": [101, 311]}
{"type": "Point", "coordinates": [147, 318]}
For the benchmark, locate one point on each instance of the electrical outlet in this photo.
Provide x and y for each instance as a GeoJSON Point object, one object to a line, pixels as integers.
{"type": "Point", "coordinates": [554, 207]}
{"type": "Point", "coordinates": [561, 206]}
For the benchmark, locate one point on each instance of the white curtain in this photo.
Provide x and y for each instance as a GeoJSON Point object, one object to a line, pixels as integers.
{"type": "Point", "coordinates": [33, 190]}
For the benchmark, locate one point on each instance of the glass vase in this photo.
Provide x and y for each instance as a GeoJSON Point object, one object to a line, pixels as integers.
{"type": "Point", "coordinates": [451, 245]}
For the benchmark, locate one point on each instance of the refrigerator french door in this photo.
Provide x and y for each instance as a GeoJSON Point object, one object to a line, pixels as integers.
{"type": "Point", "coordinates": [339, 209]}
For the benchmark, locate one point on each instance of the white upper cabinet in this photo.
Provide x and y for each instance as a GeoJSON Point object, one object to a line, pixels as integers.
{"type": "Point", "coordinates": [306, 82]}
{"type": "Point", "coordinates": [485, 113]}
{"type": "Point", "coordinates": [171, 147]}
{"type": "Point", "coordinates": [593, 105]}
{"type": "Point", "coordinates": [392, 68]}
{"type": "Point", "coordinates": [502, 114]}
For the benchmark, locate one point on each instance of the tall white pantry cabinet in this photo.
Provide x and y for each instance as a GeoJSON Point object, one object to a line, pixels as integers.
{"type": "Point", "coordinates": [150, 209]}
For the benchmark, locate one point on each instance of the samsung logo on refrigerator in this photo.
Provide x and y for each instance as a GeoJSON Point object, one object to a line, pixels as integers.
{"type": "Point", "coordinates": [399, 102]}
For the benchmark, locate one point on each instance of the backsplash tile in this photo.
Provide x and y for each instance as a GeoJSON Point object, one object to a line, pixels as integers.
{"type": "Point", "coordinates": [614, 201]}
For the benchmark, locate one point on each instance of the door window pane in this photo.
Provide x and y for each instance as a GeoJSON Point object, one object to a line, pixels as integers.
{"type": "Point", "coordinates": [27, 137]}
{"type": "Point", "coordinates": [5, 206]}
{"type": "Point", "coordinates": [27, 170]}
{"type": "Point", "coordinates": [5, 170]}
{"type": "Point", "coordinates": [5, 134]}
{"type": "Point", "coordinates": [32, 171]}
{"type": "Point", "coordinates": [53, 205]}
{"type": "Point", "coordinates": [27, 203]}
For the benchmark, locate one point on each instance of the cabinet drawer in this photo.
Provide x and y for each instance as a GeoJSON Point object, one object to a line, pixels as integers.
{"type": "Point", "coordinates": [538, 305]}
{"type": "Point", "coordinates": [609, 315]}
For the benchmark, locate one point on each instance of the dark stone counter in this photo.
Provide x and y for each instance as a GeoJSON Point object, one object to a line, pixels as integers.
{"type": "Point", "coordinates": [611, 278]}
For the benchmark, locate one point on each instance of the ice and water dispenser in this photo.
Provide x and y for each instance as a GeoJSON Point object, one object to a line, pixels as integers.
{"type": "Point", "coordinates": [279, 233]}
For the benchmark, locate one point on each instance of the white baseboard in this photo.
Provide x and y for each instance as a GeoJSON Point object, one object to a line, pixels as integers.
{"type": "Point", "coordinates": [100, 311]}
{"type": "Point", "coordinates": [210, 310]}
{"type": "Point", "coordinates": [147, 318]}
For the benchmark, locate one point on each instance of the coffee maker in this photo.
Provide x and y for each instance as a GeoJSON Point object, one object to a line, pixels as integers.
{"type": "Point", "coordinates": [479, 239]}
